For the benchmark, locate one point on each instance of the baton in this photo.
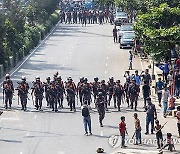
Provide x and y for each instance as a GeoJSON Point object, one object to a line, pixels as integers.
{"type": "Point", "coordinates": [133, 135]}
{"type": "Point", "coordinates": [161, 127]}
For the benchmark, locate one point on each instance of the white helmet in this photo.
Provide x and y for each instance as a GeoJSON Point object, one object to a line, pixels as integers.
{"type": "Point", "coordinates": [23, 78]}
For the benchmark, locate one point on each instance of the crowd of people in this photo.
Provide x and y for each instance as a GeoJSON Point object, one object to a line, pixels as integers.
{"type": "Point", "coordinates": [86, 17]}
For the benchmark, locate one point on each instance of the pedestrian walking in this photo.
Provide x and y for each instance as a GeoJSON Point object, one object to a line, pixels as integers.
{"type": "Point", "coordinates": [151, 115]}
{"type": "Point", "coordinates": [147, 77]}
{"type": "Point", "coordinates": [137, 129]}
{"type": "Point", "coordinates": [146, 92]}
{"type": "Point", "coordinates": [130, 60]}
{"type": "Point", "coordinates": [159, 135]}
{"type": "Point", "coordinates": [159, 88]}
{"type": "Point", "coordinates": [165, 71]}
{"type": "Point", "coordinates": [115, 34]}
{"type": "Point", "coordinates": [178, 119]}
{"type": "Point", "coordinates": [165, 99]}
{"type": "Point", "coordinates": [86, 119]}
{"type": "Point", "coordinates": [123, 131]}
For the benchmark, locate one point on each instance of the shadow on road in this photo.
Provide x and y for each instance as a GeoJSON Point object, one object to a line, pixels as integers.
{"type": "Point", "coordinates": [10, 141]}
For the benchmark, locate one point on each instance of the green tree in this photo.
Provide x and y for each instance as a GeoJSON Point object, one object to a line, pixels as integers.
{"type": "Point", "coordinates": [159, 30]}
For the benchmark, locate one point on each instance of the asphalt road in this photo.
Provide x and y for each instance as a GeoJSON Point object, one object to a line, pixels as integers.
{"type": "Point", "coordinates": [73, 51]}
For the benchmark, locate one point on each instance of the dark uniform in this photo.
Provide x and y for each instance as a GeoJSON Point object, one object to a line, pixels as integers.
{"type": "Point", "coordinates": [110, 86]}
{"type": "Point", "coordinates": [71, 92]}
{"type": "Point", "coordinates": [53, 96]}
{"type": "Point", "coordinates": [86, 92]}
{"type": "Point", "coordinates": [118, 92]}
{"type": "Point", "coordinates": [8, 90]}
{"type": "Point", "coordinates": [84, 18]}
{"type": "Point", "coordinates": [126, 90]}
{"type": "Point", "coordinates": [60, 90]}
{"type": "Point", "coordinates": [100, 104]}
{"type": "Point", "coordinates": [95, 87]}
{"type": "Point", "coordinates": [133, 94]}
{"type": "Point", "coordinates": [23, 88]}
{"type": "Point", "coordinates": [104, 89]}
{"type": "Point", "coordinates": [38, 90]}
{"type": "Point", "coordinates": [79, 90]}
{"type": "Point", "coordinates": [47, 89]}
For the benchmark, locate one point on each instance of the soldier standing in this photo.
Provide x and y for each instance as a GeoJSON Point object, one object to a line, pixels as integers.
{"type": "Point", "coordinates": [100, 103]}
{"type": "Point", "coordinates": [95, 87]}
{"type": "Point", "coordinates": [8, 90]}
{"type": "Point", "coordinates": [86, 92]}
{"type": "Point", "coordinates": [47, 89]}
{"type": "Point", "coordinates": [133, 93]}
{"type": "Point", "coordinates": [110, 86]}
{"type": "Point", "coordinates": [38, 91]}
{"type": "Point", "coordinates": [118, 92]}
{"type": "Point", "coordinates": [23, 88]}
{"type": "Point", "coordinates": [79, 89]}
{"type": "Point", "coordinates": [71, 92]}
{"type": "Point", "coordinates": [84, 18]}
{"type": "Point", "coordinates": [60, 90]}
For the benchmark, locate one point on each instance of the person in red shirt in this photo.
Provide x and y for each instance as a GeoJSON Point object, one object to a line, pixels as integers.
{"type": "Point", "coordinates": [123, 131]}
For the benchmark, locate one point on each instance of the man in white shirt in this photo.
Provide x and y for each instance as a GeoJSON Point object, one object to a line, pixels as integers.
{"type": "Point", "coordinates": [165, 98]}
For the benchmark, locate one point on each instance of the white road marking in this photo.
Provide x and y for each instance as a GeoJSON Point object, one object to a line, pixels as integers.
{"type": "Point", "coordinates": [101, 133]}
{"type": "Point", "coordinates": [105, 72]}
{"type": "Point", "coordinates": [106, 64]}
{"type": "Point", "coordinates": [107, 58]}
{"type": "Point", "coordinates": [21, 153]}
{"type": "Point", "coordinates": [67, 58]}
{"type": "Point", "coordinates": [35, 116]}
{"type": "Point", "coordinates": [33, 51]}
{"type": "Point", "coordinates": [27, 134]}
{"type": "Point", "coordinates": [10, 119]}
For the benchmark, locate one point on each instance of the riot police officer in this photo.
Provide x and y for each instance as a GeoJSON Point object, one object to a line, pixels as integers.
{"type": "Point", "coordinates": [71, 93]}
{"type": "Point", "coordinates": [8, 90]}
{"type": "Point", "coordinates": [110, 86]}
{"type": "Point", "coordinates": [47, 89]}
{"type": "Point", "coordinates": [100, 104]}
{"type": "Point", "coordinates": [79, 89]}
{"type": "Point", "coordinates": [60, 91]}
{"type": "Point", "coordinates": [38, 90]}
{"type": "Point", "coordinates": [23, 88]}
{"type": "Point", "coordinates": [86, 91]}
{"type": "Point", "coordinates": [53, 96]}
{"type": "Point", "coordinates": [126, 90]}
{"type": "Point", "coordinates": [118, 92]}
{"type": "Point", "coordinates": [133, 94]}
{"type": "Point", "coordinates": [95, 87]}
{"type": "Point", "coordinates": [104, 89]}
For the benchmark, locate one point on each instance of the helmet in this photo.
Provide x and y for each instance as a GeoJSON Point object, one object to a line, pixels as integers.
{"type": "Point", "coordinates": [117, 81]}
{"type": "Point", "coordinates": [69, 79]}
{"type": "Point", "coordinates": [23, 78]}
{"type": "Point", "coordinates": [37, 78]}
{"type": "Point", "coordinates": [96, 79]}
{"type": "Point", "coordinates": [111, 78]}
{"type": "Point", "coordinates": [58, 77]}
{"type": "Point", "coordinates": [48, 78]}
{"type": "Point", "coordinates": [102, 81]}
{"type": "Point", "coordinates": [100, 94]}
{"type": "Point", "coordinates": [7, 76]}
{"type": "Point", "coordinates": [81, 78]}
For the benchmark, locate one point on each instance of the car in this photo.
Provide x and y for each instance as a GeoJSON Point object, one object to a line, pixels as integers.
{"type": "Point", "coordinates": [123, 29]}
{"type": "Point", "coordinates": [120, 17]}
{"type": "Point", "coordinates": [127, 40]}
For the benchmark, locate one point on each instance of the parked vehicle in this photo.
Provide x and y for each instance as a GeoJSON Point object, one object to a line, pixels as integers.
{"type": "Point", "coordinates": [127, 40]}
{"type": "Point", "coordinates": [120, 17]}
{"type": "Point", "coordinates": [124, 29]}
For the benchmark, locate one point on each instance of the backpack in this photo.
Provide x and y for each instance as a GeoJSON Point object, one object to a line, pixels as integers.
{"type": "Point", "coordinates": [85, 112]}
